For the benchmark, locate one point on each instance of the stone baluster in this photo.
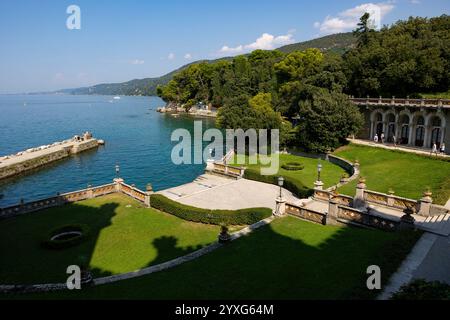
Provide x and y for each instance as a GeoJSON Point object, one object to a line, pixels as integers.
{"type": "Point", "coordinates": [393, 100]}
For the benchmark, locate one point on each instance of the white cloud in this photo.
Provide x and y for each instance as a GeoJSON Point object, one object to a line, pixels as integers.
{"type": "Point", "coordinates": [266, 42]}
{"type": "Point", "coordinates": [137, 62]}
{"type": "Point", "coordinates": [171, 56]}
{"type": "Point", "coordinates": [188, 56]}
{"type": "Point", "coordinates": [348, 19]}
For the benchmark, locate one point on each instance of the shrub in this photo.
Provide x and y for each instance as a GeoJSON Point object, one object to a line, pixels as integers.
{"type": "Point", "coordinates": [423, 290]}
{"type": "Point", "coordinates": [293, 166]}
{"type": "Point", "coordinates": [218, 217]}
{"type": "Point", "coordinates": [69, 242]}
{"type": "Point", "coordinates": [293, 185]}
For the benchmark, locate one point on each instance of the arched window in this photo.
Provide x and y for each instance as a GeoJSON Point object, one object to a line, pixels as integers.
{"type": "Point", "coordinates": [391, 118]}
{"type": "Point", "coordinates": [420, 121]}
{"type": "Point", "coordinates": [404, 133]}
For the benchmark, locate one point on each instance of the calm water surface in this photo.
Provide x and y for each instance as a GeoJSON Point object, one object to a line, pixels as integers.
{"type": "Point", "coordinates": [137, 138]}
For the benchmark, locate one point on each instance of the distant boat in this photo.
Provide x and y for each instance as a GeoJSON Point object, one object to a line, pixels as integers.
{"type": "Point", "coordinates": [116, 98]}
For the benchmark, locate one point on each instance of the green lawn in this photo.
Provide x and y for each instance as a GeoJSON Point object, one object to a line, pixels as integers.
{"type": "Point", "coordinates": [124, 236]}
{"type": "Point", "coordinates": [330, 175]}
{"type": "Point", "coordinates": [407, 174]}
{"type": "Point", "coordinates": [288, 259]}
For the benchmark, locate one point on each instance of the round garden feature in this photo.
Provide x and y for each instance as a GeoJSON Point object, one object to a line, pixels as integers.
{"type": "Point", "coordinates": [293, 166]}
{"type": "Point", "coordinates": [66, 236]}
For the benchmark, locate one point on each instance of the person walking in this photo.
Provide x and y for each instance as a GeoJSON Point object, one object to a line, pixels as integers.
{"type": "Point", "coordinates": [375, 139]}
{"type": "Point", "coordinates": [443, 149]}
{"type": "Point", "coordinates": [382, 137]}
{"type": "Point", "coordinates": [434, 149]}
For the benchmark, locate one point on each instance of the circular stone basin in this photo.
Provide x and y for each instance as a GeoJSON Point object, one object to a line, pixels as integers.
{"type": "Point", "coordinates": [66, 235]}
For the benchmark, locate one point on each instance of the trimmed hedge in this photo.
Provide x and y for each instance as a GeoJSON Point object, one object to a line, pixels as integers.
{"type": "Point", "coordinates": [208, 216]}
{"type": "Point", "coordinates": [293, 166]}
{"type": "Point", "coordinates": [66, 243]}
{"type": "Point", "coordinates": [293, 185]}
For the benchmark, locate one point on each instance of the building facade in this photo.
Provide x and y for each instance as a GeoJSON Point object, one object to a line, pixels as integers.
{"type": "Point", "coordinates": [417, 123]}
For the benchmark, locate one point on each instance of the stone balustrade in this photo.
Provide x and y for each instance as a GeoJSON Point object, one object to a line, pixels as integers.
{"type": "Point", "coordinates": [91, 192]}
{"type": "Point", "coordinates": [224, 169]}
{"type": "Point", "coordinates": [436, 103]}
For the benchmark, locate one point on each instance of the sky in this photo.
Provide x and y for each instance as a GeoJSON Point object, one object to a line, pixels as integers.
{"type": "Point", "coordinates": [120, 40]}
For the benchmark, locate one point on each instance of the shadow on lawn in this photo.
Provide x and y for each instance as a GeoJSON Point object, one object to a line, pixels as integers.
{"type": "Point", "coordinates": [267, 264]}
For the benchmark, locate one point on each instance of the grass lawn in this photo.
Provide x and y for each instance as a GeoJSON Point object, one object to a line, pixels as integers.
{"type": "Point", "coordinates": [288, 259]}
{"type": "Point", "coordinates": [330, 175]}
{"type": "Point", "coordinates": [407, 174]}
{"type": "Point", "coordinates": [124, 236]}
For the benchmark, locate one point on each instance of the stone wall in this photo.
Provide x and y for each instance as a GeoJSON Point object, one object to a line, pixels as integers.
{"type": "Point", "coordinates": [30, 164]}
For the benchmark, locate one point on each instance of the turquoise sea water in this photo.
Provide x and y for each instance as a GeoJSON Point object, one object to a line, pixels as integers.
{"type": "Point", "coordinates": [137, 138]}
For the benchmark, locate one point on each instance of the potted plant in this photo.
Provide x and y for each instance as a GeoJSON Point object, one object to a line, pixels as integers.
{"type": "Point", "coordinates": [224, 235]}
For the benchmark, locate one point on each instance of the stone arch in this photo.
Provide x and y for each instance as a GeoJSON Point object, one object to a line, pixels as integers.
{"type": "Point", "coordinates": [404, 124]}
{"type": "Point", "coordinates": [435, 124]}
{"type": "Point", "coordinates": [377, 118]}
{"type": "Point", "coordinates": [420, 131]}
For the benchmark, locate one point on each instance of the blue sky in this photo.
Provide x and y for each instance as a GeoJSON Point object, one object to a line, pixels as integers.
{"type": "Point", "coordinates": [120, 40]}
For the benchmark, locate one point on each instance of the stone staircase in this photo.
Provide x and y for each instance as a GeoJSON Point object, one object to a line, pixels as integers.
{"type": "Point", "coordinates": [439, 225]}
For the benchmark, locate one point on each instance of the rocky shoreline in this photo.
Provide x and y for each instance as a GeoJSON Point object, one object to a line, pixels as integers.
{"type": "Point", "coordinates": [177, 109]}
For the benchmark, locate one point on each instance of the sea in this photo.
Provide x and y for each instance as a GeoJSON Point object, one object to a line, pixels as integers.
{"type": "Point", "coordinates": [137, 140]}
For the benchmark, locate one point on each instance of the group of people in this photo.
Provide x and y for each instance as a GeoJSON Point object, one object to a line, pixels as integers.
{"type": "Point", "coordinates": [381, 138]}
{"type": "Point", "coordinates": [434, 149]}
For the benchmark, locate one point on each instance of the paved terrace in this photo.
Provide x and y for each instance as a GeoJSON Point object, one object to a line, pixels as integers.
{"type": "Point", "coordinates": [215, 192]}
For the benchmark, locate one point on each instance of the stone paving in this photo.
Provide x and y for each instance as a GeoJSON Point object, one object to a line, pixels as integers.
{"type": "Point", "coordinates": [214, 192]}
{"type": "Point", "coordinates": [390, 146]}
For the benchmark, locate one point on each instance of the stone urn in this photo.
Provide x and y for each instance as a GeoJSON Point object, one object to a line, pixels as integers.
{"type": "Point", "coordinates": [407, 220]}
{"type": "Point", "coordinates": [86, 276]}
{"type": "Point", "coordinates": [224, 235]}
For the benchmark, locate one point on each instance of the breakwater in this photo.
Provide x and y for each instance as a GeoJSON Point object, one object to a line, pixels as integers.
{"type": "Point", "coordinates": [20, 162]}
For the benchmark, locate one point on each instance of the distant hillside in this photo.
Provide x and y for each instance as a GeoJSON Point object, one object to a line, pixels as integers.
{"type": "Point", "coordinates": [337, 43]}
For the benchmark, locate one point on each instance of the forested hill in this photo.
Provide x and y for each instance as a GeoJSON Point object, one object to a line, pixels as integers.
{"type": "Point", "coordinates": [337, 42]}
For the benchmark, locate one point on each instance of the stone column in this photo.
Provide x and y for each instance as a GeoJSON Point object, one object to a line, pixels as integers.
{"type": "Point", "coordinates": [117, 183]}
{"type": "Point", "coordinates": [148, 193]}
{"type": "Point", "coordinates": [209, 165]}
{"type": "Point", "coordinates": [358, 201]}
{"type": "Point", "coordinates": [332, 215]}
{"type": "Point", "coordinates": [280, 208]}
{"type": "Point", "coordinates": [412, 134]}
{"type": "Point", "coordinates": [425, 204]}
{"type": "Point", "coordinates": [90, 192]}
{"type": "Point", "coordinates": [390, 198]}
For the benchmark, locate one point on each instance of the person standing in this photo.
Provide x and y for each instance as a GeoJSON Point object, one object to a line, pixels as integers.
{"type": "Point", "coordinates": [382, 137]}
{"type": "Point", "coordinates": [434, 149]}
{"type": "Point", "coordinates": [443, 148]}
{"type": "Point", "coordinates": [394, 140]}
{"type": "Point", "coordinates": [375, 139]}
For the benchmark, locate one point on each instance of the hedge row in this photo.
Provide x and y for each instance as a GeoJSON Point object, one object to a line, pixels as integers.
{"type": "Point", "coordinates": [291, 184]}
{"type": "Point", "coordinates": [218, 217]}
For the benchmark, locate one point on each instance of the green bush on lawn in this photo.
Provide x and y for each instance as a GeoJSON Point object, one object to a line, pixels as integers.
{"type": "Point", "coordinates": [217, 217]}
{"type": "Point", "coordinates": [293, 166]}
{"type": "Point", "coordinates": [293, 185]}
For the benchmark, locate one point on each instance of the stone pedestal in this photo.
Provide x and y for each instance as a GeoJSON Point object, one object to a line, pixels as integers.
{"type": "Point", "coordinates": [425, 204]}
{"type": "Point", "coordinates": [407, 221]}
{"type": "Point", "coordinates": [280, 207]}
{"type": "Point", "coordinates": [209, 165]}
{"type": "Point", "coordinates": [358, 201]}
{"type": "Point", "coordinates": [332, 215]}
{"type": "Point", "coordinates": [318, 185]}
{"type": "Point", "coordinates": [117, 182]}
